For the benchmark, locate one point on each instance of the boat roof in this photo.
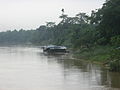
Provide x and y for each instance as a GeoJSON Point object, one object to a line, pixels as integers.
{"type": "Point", "coordinates": [56, 47]}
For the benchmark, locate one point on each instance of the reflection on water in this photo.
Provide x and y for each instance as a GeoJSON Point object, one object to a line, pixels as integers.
{"type": "Point", "coordinates": [28, 68]}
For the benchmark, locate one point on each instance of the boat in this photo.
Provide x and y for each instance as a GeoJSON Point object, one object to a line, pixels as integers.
{"type": "Point", "coordinates": [54, 49]}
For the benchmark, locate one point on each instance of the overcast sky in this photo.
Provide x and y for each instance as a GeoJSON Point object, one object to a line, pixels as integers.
{"type": "Point", "coordinates": [30, 14]}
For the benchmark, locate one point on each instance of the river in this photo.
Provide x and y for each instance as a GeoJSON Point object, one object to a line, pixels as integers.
{"type": "Point", "coordinates": [28, 68]}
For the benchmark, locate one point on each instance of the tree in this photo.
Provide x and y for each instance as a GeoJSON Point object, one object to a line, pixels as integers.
{"type": "Point", "coordinates": [50, 24]}
{"type": "Point", "coordinates": [108, 19]}
{"type": "Point", "coordinates": [82, 18]}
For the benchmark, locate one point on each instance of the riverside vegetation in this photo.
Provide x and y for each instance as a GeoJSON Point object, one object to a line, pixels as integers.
{"type": "Point", "coordinates": [94, 37]}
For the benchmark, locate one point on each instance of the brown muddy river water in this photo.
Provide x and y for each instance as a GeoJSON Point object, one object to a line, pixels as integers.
{"type": "Point", "coordinates": [28, 68]}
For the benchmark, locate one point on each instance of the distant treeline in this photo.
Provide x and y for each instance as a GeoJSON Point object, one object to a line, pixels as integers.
{"type": "Point", "coordinates": [102, 28]}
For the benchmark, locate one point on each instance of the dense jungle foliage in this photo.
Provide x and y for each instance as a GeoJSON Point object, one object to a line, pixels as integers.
{"type": "Point", "coordinates": [84, 33]}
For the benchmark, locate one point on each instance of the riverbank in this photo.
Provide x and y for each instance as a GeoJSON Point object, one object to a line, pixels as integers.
{"type": "Point", "coordinates": [103, 55]}
{"type": "Point", "coordinates": [99, 53]}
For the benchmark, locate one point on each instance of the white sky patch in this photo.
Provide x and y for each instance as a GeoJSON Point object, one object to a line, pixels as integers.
{"type": "Point", "coordinates": [30, 14]}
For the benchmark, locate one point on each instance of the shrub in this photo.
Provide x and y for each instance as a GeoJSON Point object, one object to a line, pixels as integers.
{"type": "Point", "coordinates": [115, 60]}
{"type": "Point", "coordinates": [115, 41]}
{"type": "Point", "coordinates": [102, 41]}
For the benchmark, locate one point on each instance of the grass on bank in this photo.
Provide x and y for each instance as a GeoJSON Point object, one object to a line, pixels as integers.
{"type": "Point", "coordinates": [98, 53]}
{"type": "Point", "coordinates": [105, 55]}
